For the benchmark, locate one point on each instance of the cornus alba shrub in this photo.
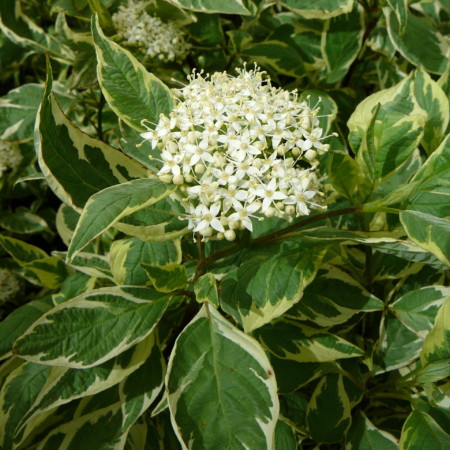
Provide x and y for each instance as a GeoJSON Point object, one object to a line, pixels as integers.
{"type": "Point", "coordinates": [155, 38]}
{"type": "Point", "coordinates": [10, 156]}
{"type": "Point", "coordinates": [311, 310]}
{"type": "Point", "coordinates": [239, 147]}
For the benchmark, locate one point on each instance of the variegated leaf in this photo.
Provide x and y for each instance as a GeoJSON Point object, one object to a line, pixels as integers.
{"type": "Point", "coordinates": [341, 42]}
{"type": "Point", "coordinates": [318, 9]}
{"type": "Point", "coordinates": [108, 206]}
{"type": "Point", "coordinates": [132, 93]}
{"type": "Point", "coordinates": [269, 281]}
{"type": "Point", "coordinates": [289, 339]}
{"type": "Point", "coordinates": [429, 232]}
{"type": "Point", "coordinates": [126, 256]}
{"type": "Point", "coordinates": [210, 359]}
{"type": "Point", "coordinates": [92, 328]}
{"type": "Point", "coordinates": [166, 278]}
{"type": "Point", "coordinates": [90, 264]}
{"type": "Point", "coordinates": [213, 6]}
{"type": "Point", "coordinates": [76, 165]}
{"type": "Point", "coordinates": [417, 309]}
{"type": "Point", "coordinates": [205, 289]}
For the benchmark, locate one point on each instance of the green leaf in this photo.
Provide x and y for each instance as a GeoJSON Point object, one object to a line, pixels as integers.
{"type": "Point", "coordinates": [292, 340]}
{"type": "Point", "coordinates": [205, 289]}
{"type": "Point", "coordinates": [343, 173]}
{"type": "Point", "coordinates": [284, 437]}
{"type": "Point", "coordinates": [126, 256]}
{"type": "Point", "coordinates": [65, 385]}
{"type": "Point", "coordinates": [215, 365]}
{"type": "Point", "coordinates": [435, 102]}
{"type": "Point", "coordinates": [132, 93]}
{"type": "Point", "coordinates": [432, 192]}
{"type": "Point", "coordinates": [90, 264]}
{"type": "Point", "coordinates": [139, 390]}
{"type": "Point", "coordinates": [18, 109]}
{"type": "Point", "coordinates": [437, 344]}
{"type": "Point", "coordinates": [429, 232]}
{"type": "Point", "coordinates": [269, 281]}
{"type": "Point", "coordinates": [385, 129]}
{"type": "Point", "coordinates": [417, 309]}
{"type": "Point", "coordinates": [19, 320]}
{"type": "Point", "coordinates": [433, 372]}
{"type": "Point", "coordinates": [400, 9]}
{"type": "Point", "coordinates": [108, 206]}
{"type": "Point", "coordinates": [213, 6]}
{"type": "Point", "coordinates": [421, 431]}
{"type": "Point", "coordinates": [49, 272]}
{"type": "Point", "coordinates": [92, 328]}
{"type": "Point", "coordinates": [333, 298]}
{"type": "Point", "coordinates": [76, 166]}
{"type": "Point", "coordinates": [20, 251]}
{"type": "Point", "coordinates": [23, 222]}
{"type": "Point", "coordinates": [420, 43]}
{"type": "Point", "coordinates": [325, 423]}
{"type": "Point", "coordinates": [318, 9]}
{"type": "Point", "coordinates": [166, 278]}
{"type": "Point", "coordinates": [399, 346]}
{"type": "Point", "coordinates": [66, 222]}
{"type": "Point", "coordinates": [341, 42]}
{"type": "Point", "coordinates": [364, 435]}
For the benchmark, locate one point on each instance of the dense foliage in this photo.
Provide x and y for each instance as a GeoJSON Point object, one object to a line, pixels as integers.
{"type": "Point", "coordinates": [224, 224]}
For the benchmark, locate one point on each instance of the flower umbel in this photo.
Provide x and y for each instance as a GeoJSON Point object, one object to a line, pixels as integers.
{"type": "Point", "coordinates": [240, 148]}
{"type": "Point", "coordinates": [156, 38]}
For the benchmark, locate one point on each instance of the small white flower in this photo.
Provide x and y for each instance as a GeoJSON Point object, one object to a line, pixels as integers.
{"type": "Point", "coordinates": [9, 285]}
{"type": "Point", "coordinates": [10, 156]}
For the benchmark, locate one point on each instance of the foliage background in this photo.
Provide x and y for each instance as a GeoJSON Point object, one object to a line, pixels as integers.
{"type": "Point", "coordinates": [329, 332]}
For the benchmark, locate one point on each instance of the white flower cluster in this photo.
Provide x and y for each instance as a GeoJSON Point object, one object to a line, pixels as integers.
{"type": "Point", "coordinates": [239, 148]}
{"type": "Point", "coordinates": [156, 38]}
{"type": "Point", "coordinates": [10, 156]}
{"type": "Point", "coordinates": [9, 285]}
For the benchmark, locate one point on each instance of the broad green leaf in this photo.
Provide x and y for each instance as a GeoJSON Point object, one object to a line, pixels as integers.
{"type": "Point", "coordinates": [92, 328]}
{"type": "Point", "coordinates": [49, 272]}
{"type": "Point", "coordinates": [343, 173]}
{"type": "Point", "coordinates": [284, 437]}
{"type": "Point", "coordinates": [166, 278]}
{"type": "Point", "coordinates": [429, 232]}
{"type": "Point", "coordinates": [420, 431]}
{"type": "Point", "coordinates": [208, 365]}
{"type": "Point", "coordinates": [326, 423]}
{"type": "Point", "coordinates": [76, 166]}
{"type": "Point", "coordinates": [437, 344]}
{"type": "Point", "coordinates": [18, 109]}
{"type": "Point", "coordinates": [108, 206]}
{"type": "Point", "coordinates": [417, 309]}
{"type": "Point", "coordinates": [398, 348]}
{"type": "Point", "coordinates": [289, 339]}
{"type": "Point", "coordinates": [385, 129]}
{"type": "Point", "coordinates": [64, 385]}
{"type": "Point", "coordinates": [139, 390]}
{"type": "Point", "coordinates": [269, 281]}
{"type": "Point", "coordinates": [277, 54]}
{"type": "Point", "coordinates": [435, 102]}
{"type": "Point", "coordinates": [318, 9]}
{"type": "Point", "coordinates": [75, 284]}
{"type": "Point", "coordinates": [99, 429]}
{"type": "Point", "coordinates": [432, 192]}
{"type": "Point", "coordinates": [126, 256]}
{"type": "Point", "coordinates": [341, 42]}
{"type": "Point", "coordinates": [420, 43]}
{"type": "Point", "coordinates": [159, 222]}
{"type": "Point", "coordinates": [205, 289]}
{"type": "Point", "coordinates": [20, 251]}
{"type": "Point", "coordinates": [333, 298]}
{"type": "Point", "coordinates": [90, 264]}
{"type": "Point", "coordinates": [400, 9]}
{"type": "Point", "coordinates": [433, 372]}
{"type": "Point", "coordinates": [66, 222]}
{"type": "Point", "coordinates": [23, 222]}
{"type": "Point", "coordinates": [213, 6]}
{"type": "Point", "coordinates": [132, 93]}
{"type": "Point", "coordinates": [293, 409]}
{"type": "Point", "coordinates": [364, 435]}
{"type": "Point", "coordinates": [19, 320]}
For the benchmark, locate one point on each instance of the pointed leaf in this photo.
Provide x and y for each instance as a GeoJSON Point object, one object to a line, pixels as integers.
{"type": "Point", "coordinates": [166, 278]}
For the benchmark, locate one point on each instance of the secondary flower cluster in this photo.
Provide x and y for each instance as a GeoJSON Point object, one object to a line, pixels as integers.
{"type": "Point", "coordinates": [239, 148]}
{"type": "Point", "coordinates": [9, 285]}
{"type": "Point", "coordinates": [156, 38]}
{"type": "Point", "coordinates": [10, 156]}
